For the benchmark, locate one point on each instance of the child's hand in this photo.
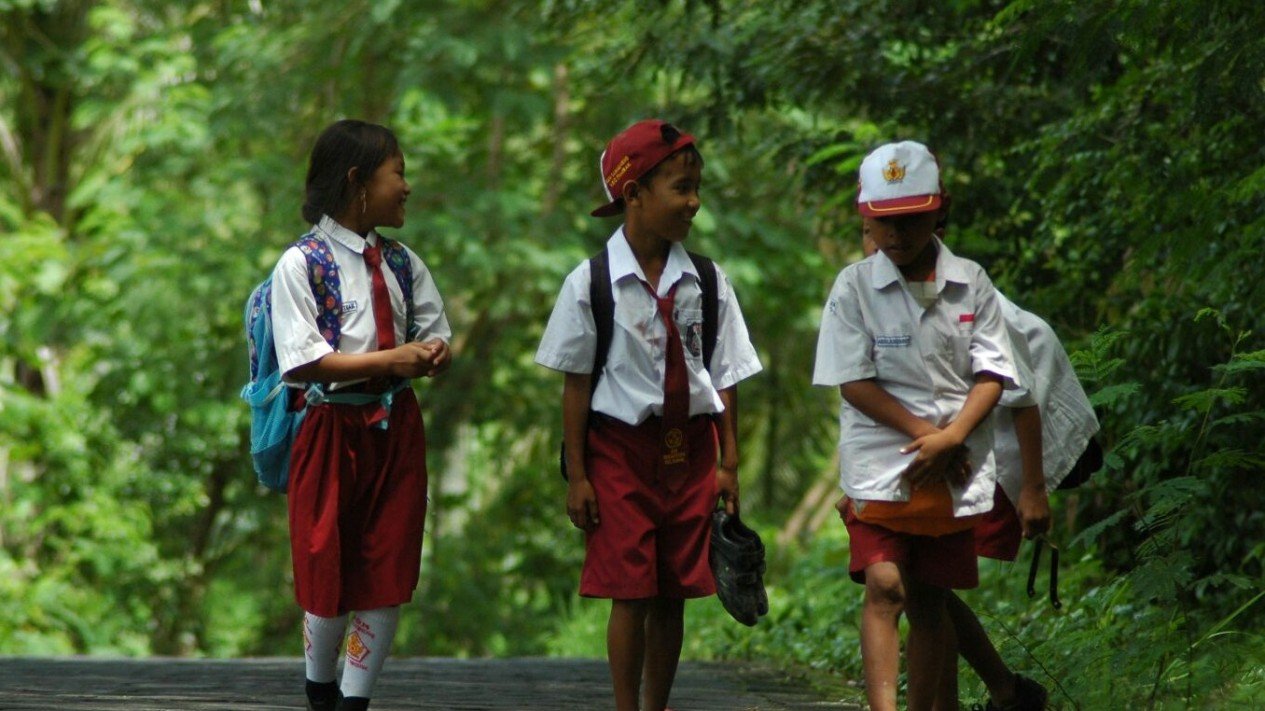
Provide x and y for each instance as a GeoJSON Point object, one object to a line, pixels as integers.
{"type": "Point", "coordinates": [940, 455]}
{"type": "Point", "coordinates": [727, 487]}
{"type": "Point", "coordinates": [441, 356]}
{"type": "Point", "coordinates": [958, 471]}
{"type": "Point", "coordinates": [411, 360]}
{"type": "Point", "coordinates": [582, 504]}
{"type": "Point", "coordinates": [1034, 511]}
{"type": "Point", "coordinates": [842, 507]}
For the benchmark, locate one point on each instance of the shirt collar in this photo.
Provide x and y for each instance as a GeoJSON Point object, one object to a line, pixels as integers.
{"type": "Point", "coordinates": [624, 264]}
{"type": "Point", "coordinates": [330, 228]}
{"type": "Point", "coordinates": [949, 268]}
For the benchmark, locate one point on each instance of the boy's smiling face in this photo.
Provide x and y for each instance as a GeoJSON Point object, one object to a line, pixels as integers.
{"type": "Point", "coordinates": [665, 208]}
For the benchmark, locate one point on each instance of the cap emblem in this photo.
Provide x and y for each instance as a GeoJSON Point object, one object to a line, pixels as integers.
{"type": "Point", "coordinates": [894, 172]}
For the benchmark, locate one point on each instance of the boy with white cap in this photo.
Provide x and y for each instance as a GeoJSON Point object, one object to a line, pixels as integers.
{"type": "Point", "coordinates": [913, 337]}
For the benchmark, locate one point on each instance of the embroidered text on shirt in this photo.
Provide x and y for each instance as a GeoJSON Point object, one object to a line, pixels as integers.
{"type": "Point", "coordinates": [892, 341]}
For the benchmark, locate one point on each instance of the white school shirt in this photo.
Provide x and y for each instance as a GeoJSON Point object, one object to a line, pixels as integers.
{"type": "Point", "coordinates": [1067, 419]}
{"type": "Point", "coordinates": [299, 341]}
{"type": "Point", "coordinates": [630, 388]}
{"type": "Point", "coordinates": [873, 328]}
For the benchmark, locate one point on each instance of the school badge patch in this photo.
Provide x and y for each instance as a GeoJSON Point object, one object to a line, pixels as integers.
{"type": "Point", "coordinates": [694, 339]}
{"type": "Point", "coordinates": [894, 172]}
{"type": "Point", "coordinates": [356, 649]}
{"type": "Point", "coordinates": [674, 446]}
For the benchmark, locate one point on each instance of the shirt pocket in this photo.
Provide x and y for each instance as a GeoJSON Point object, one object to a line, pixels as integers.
{"type": "Point", "coordinates": [689, 322]}
{"type": "Point", "coordinates": [957, 351]}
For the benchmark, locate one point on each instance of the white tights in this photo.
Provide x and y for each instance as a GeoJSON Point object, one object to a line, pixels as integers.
{"type": "Point", "coordinates": [368, 644]}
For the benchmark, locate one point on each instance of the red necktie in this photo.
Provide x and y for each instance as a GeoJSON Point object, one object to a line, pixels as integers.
{"type": "Point", "coordinates": [381, 300]}
{"type": "Point", "coordinates": [676, 397]}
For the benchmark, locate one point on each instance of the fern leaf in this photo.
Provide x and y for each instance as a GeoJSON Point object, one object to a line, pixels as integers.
{"type": "Point", "coordinates": [1111, 394]}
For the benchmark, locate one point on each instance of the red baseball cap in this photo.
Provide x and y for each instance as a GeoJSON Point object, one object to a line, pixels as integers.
{"type": "Point", "coordinates": [631, 154]}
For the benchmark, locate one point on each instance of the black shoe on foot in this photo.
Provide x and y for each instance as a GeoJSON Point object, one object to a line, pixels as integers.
{"type": "Point", "coordinates": [1029, 696]}
{"type": "Point", "coordinates": [322, 696]}
{"type": "Point", "coordinates": [353, 703]}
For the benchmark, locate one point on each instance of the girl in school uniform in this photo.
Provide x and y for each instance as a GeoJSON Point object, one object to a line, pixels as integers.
{"type": "Point", "coordinates": [357, 491]}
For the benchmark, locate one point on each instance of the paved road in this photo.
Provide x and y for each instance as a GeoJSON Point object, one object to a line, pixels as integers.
{"type": "Point", "coordinates": [429, 684]}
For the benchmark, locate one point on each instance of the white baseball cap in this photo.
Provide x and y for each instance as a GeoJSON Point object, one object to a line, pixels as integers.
{"type": "Point", "coordinates": [899, 179]}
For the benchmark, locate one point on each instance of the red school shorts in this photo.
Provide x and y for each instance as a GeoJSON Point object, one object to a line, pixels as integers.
{"type": "Point", "coordinates": [652, 541]}
{"type": "Point", "coordinates": [999, 533]}
{"type": "Point", "coordinates": [357, 500]}
{"type": "Point", "coordinates": [943, 561]}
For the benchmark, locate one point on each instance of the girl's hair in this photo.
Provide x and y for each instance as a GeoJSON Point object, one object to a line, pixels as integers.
{"type": "Point", "coordinates": [344, 145]}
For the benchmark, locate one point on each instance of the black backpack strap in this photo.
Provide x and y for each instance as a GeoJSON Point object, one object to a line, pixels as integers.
{"type": "Point", "coordinates": [711, 304]}
{"type": "Point", "coordinates": [602, 302]}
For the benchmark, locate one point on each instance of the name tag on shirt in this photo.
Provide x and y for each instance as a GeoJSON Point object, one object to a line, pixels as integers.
{"type": "Point", "coordinates": [892, 341]}
{"type": "Point", "coordinates": [349, 306]}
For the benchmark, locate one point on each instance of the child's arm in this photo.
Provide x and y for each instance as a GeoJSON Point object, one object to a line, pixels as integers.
{"type": "Point", "coordinates": [1034, 504]}
{"type": "Point", "coordinates": [727, 433]}
{"type": "Point", "coordinates": [933, 447]}
{"type": "Point", "coordinates": [876, 403]}
{"type": "Point", "coordinates": [411, 360]}
{"type": "Point", "coordinates": [581, 500]}
{"type": "Point", "coordinates": [879, 405]}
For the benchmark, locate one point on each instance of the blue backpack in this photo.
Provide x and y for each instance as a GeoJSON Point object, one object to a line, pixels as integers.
{"type": "Point", "coordinates": [273, 423]}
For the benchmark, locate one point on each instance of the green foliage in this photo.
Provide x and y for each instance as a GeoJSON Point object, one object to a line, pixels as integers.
{"type": "Point", "coordinates": [1104, 162]}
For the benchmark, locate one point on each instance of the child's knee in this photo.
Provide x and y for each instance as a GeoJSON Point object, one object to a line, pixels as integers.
{"type": "Point", "coordinates": [884, 588]}
{"type": "Point", "coordinates": [666, 608]}
{"type": "Point", "coordinates": [925, 605]}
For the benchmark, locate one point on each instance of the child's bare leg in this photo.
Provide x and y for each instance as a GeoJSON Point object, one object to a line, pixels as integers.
{"type": "Point", "coordinates": [947, 690]}
{"type": "Point", "coordinates": [978, 651]}
{"type": "Point", "coordinates": [925, 649]}
{"type": "Point", "coordinates": [880, 634]}
{"type": "Point", "coordinates": [625, 650]}
{"type": "Point", "coordinates": [665, 628]}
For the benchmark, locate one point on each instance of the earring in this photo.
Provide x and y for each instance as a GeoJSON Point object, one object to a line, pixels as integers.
{"type": "Point", "coordinates": [364, 202]}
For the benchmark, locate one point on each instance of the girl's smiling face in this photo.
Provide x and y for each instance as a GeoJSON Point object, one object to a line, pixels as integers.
{"type": "Point", "coordinates": [385, 194]}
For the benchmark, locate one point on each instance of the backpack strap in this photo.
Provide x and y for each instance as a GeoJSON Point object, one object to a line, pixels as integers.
{"type": "Point", "coordinates": [602, 302]}
{"type": "Point", "coordinates": [706, 269]}
{"type": "Point", "coordinates": [396, 257]}
{"type": "Point", "coordinates": [322, 273]}
{"type": "Point", "coordinates": [258, 320]}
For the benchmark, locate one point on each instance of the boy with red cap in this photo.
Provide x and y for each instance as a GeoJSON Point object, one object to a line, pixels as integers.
{"type": "Point", "coordinates": [913, 337]}
{"type": "Point", "coordinates": [641, 442]}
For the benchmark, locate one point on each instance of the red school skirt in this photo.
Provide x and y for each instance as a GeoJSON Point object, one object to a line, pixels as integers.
{"type": "Point", "coordinates": [357, 502]}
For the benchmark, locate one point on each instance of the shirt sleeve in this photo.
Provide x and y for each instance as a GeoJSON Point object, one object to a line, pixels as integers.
{"type": "Point", "coordinates": [735, 358]}
{"type": "Point", "coordinates": [844, 343]}
{"type": "Point", "coordinates": [1021, 395]}
{"type": "Point", "coordinates": [570, 339]}
{"type": "Point", "coordinates": [295, 334]}
{"type": "Point", "coordinates": [990, 344]}
{"type": "Point", "coordinates": [429, 319]}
